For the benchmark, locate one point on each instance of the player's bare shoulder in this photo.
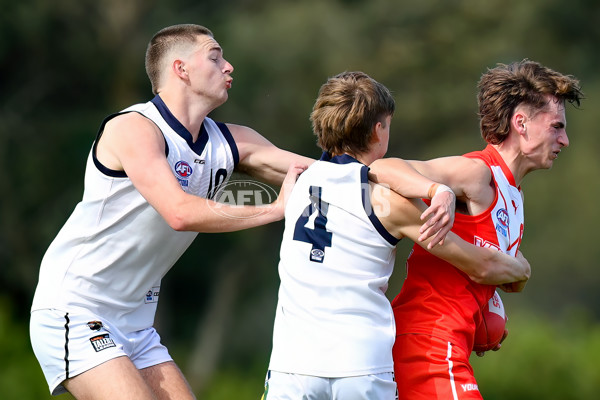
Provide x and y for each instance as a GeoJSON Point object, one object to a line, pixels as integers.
{"type": "Point", "coordinates": [123, 133]}
{"type": "Point", "coordinates": [130, 122]}
{"type": "Point", "coordinates": [474, 178]}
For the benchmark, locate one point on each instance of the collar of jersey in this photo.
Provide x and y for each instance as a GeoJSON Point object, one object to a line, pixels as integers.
{"type": "Point", "coordinates": [341, 159]}
{"type": "Point", "coordinates": [198, 145]}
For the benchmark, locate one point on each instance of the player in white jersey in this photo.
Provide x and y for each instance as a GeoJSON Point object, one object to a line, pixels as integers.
{"type": "Point", "coordinates": [334, 326]}
{"type": "Point", "coordinates": [149, 183]}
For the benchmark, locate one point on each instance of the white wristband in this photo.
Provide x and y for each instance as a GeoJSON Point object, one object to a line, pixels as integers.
{"type": "Point", "coordinates": [443, 188]}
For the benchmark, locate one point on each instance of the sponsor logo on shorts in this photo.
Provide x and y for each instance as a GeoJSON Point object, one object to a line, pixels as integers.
{"type": "Point", "coordinates": [102, 342]}
{"type": "Point", "coordinates": [94, 325]}
{"type": "Point", "coordinates": [469, 387]}
{"type": "Point", "coordinates": [152, 295]}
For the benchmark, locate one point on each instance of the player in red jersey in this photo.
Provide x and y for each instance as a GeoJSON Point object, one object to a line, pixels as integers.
{"type": "Point", "coordinates": [522, 118]}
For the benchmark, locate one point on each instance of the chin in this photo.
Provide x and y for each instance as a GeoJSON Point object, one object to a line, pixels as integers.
{"type": "Point", "coordinates": [222, 100]}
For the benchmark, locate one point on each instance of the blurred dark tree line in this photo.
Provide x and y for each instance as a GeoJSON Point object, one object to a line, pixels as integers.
{"type": "Point", "coordinates": [66, 64]}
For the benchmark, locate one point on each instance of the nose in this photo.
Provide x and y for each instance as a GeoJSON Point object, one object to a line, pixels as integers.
{"type": "Point", "coordinates": [228, 67]}
{"type": "Point", "coordinates": [563, 139]}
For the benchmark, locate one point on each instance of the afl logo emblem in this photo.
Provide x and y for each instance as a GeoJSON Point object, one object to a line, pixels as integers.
{"type": "Point", "coordinates": [317, 255]}
{"type": "Point", "coordinates": [502, 216]}
{"type": "Point", "coordinates": [183, 169]}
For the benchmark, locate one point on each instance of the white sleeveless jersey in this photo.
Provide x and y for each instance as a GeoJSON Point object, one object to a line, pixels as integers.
{"type": "Point", "coordinates": [333, 318]}
{"type": "Point", "coordinates": [111, 254]}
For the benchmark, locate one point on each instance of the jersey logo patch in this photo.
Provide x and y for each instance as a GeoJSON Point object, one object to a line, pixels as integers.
{"type": "Point", "coordinates": [183, 171]}
{"type": "Point", "coordinates": [317, 255]}
{"type": "Point", "coordinates": [102, 342]}
{"type": "Point", "coordinates": [502, 225]}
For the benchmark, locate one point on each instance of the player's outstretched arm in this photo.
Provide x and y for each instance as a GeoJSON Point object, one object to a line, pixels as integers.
{"type": "Point", "coordinates": [133, 144]}
{"type": "Point", "coordinates": [261, 159]}
{"type": "Point", "coordinates": [483, 265]}
{"type": "Point", "coordinates": [405, 180]}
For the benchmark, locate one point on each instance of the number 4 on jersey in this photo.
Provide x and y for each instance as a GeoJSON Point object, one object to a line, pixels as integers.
{"type": "Point", "coordinates": [318, 236]}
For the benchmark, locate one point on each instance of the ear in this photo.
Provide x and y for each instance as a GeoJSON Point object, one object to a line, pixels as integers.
{"type": "Point", "coordinates": [179, 69]}
{"type": "Point", "coordinates": [375, 137]}
{"type": "Point", "coordinates": [519, 122]}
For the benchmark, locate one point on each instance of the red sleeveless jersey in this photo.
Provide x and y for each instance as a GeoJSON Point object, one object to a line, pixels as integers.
{"type": "Point", "coordinates": [440, 300]}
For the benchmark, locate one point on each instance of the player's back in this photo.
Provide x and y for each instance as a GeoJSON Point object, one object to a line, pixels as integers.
{"type": "Point", "coordinates": [336, 260]}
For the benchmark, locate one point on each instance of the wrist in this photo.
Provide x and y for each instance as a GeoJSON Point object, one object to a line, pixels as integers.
{"type": "Point", "coordinates": [436, 188]}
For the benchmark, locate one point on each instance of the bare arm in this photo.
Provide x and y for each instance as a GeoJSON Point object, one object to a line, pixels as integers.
{"type": "Point", "coordinates": [483, 265]}
{"type": "Point", "coordinates": [463, 175]}
{"type": "Point", "coordinates": [134, 144]}
{"type": "Point", "coordinates": [261, 159]}
{"type": "Point", "coordinates": [405, 180]}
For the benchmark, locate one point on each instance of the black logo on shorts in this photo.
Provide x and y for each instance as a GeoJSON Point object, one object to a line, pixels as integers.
{"type": "Point", "coordinates": [102, 342]}
{"type": "Point", "coordinates": [94, 325]}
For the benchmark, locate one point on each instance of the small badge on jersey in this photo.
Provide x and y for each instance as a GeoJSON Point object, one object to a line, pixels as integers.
{"type": "Point", "coordinates": [152, 295]}
{"type": "Point", "coordinates": [102, 342]}
{"type": "Point", "coordinates": [183, 171]}
{"type": "Point", "coordinates": [317, 255]}
{"type": "Point", "coordinates": [502, 225]}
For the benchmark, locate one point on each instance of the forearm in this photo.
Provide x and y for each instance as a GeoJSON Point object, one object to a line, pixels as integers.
{"type": "Point", "coordinates": [497, 268]}
{"type": "Point", "coordinates": [504, 268]}
{"type": "Point", "coordinates": [193, 213]}
{"type": "Point", "coordinates": [483, 265]}
{"type": "Point", "coordinates": [207, 216]}
{"type": "Point", "coordinates": [401, 177]}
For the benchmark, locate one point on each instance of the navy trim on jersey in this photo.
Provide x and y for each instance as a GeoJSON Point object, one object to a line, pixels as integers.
{"type": "Point", "coordinates": [364, 178]}
{"type": "Point", "coordinates": [341, 159]}
{"type": "Point", "coordinates": [197, 146]}
{"type": "Point", "coordinates": [366, 199]}
{"type": "Point", "coordinates": [112, 172]}
{"type": "Point", "coordinates": [229, 137]}
{"type": "Point", "coordinates": [99, 165]}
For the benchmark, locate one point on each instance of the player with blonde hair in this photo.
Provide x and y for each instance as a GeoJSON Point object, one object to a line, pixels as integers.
{"type": "Point", "coordinates": [150, 186]}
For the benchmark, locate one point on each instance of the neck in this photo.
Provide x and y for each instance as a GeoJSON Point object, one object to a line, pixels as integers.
{"type": "Point", "coordinates": [189, 113]}
{"type": "Point", "coordinates": [364, 158]}
{"type": "Point", "coordinates": [514, 159]}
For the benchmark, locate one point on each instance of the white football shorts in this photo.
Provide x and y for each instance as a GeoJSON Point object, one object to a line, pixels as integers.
{"type": "Point", "coordinates": [283, 386]}
{"type": "Point", "coordinates": [68, 344]}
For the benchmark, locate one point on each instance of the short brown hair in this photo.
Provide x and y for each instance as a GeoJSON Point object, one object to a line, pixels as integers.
{"type": "Point", "coordinates": [503, 88]}
{"type": "Point", "coordinates": [346, 110]}
{"type": "Point", "coordinates": [163, 41]}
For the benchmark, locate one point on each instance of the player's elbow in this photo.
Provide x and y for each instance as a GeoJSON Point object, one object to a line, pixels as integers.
{"type": "Point", "coordinates": [177, 221]}
{"type": "Point", "coordinates": [178, 225]}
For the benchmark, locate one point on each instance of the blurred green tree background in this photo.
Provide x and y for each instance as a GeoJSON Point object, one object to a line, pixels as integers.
{"type": "Point", "coordinates": [66, 64]}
